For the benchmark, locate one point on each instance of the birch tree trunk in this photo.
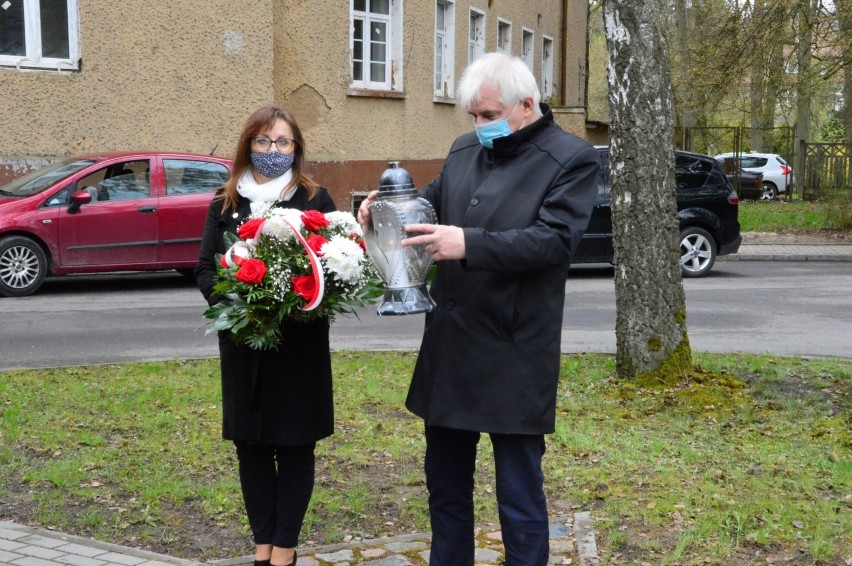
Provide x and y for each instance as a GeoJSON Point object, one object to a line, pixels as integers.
{"type": "Point", "coordinates": [651, 336]}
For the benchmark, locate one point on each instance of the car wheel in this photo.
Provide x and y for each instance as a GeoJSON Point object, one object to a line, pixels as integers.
{"type": "Point", "coordinates": [697, 252]}
{"type": "Point", "coordinates": [23, 266]}
{"type": "Point", "coordinates": [769, 192]}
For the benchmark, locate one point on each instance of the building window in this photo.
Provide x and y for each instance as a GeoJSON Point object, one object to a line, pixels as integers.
{"type": "Point", "coordinates": [445, 32]}
{"type": "Point", "coordinates": [528, 49]}
{"type": "Point", "coordinates": [39, 34]}
{"type": "Point", "coordinates": [476, 35]}
{"type": "Point", "coordinates": [504, 36]}
{"type": "Point", "coordinates": [546, 67]}
{"type": "Point", "coordinates": [376, 44]}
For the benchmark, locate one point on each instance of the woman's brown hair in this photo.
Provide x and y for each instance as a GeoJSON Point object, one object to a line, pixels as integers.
{"type": "Point", "coordinates": [264, 119]}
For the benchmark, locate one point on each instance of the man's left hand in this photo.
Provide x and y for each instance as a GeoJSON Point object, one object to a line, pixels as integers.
{"type": "Point", "coordinates": [443, 242]}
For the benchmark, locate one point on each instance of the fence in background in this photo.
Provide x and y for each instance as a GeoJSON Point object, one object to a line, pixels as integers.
{"type": "Point", "coordinates": [828, 170]}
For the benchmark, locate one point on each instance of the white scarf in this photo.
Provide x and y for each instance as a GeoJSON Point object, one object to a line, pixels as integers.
{"type": "Point", "coordinates": [262, 196]}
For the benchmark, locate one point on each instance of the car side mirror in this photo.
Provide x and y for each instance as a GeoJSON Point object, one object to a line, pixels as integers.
{"type": "Point", "coordinates": [78, 199]}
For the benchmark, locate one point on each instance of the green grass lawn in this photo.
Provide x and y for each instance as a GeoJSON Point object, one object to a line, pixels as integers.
{"type": "Point", "coordinates": [750, 459]}
{"type": "Point", "coordinates": [834, 214]}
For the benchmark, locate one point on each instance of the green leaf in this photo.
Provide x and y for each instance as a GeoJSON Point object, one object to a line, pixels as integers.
{"type": "Point", "coordinates": [230, 239]}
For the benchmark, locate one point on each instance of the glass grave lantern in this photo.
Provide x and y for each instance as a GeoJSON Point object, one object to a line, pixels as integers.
{"type": "Point", "coordinates": [403, 269]}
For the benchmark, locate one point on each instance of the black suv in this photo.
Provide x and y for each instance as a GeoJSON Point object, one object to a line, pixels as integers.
{"type": "Point", "coordinates": [707, 208]}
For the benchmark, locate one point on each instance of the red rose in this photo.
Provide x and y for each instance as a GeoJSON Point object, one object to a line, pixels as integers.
{"type": "Point", "coordinates": [314, 220]}
{"type": "Point", "coordinates": [250, 229]}
{"type": "Point", "coordinates": [315, 242]}
{"type": "Point", "coordinates": [251, 271]}
{"type": "Point", "coordinates": [305, 287]}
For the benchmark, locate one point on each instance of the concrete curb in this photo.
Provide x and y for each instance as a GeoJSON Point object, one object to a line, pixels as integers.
{"type": "Point", "coordinates": [584, 534]}
{"type": "Point", "coordinates": [790, 252]}
{"type": "Point", "coordinates": [581, 530]}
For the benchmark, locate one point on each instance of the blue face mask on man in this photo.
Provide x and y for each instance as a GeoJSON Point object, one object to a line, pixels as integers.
{"type": "Point", "coordinates": [490, 131]}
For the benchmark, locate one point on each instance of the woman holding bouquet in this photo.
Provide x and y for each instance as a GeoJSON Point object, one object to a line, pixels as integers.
{"type": "Point", "coordinates": [276, 403]}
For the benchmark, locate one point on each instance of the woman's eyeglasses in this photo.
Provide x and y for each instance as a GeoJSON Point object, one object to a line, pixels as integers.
{"type": "Point", "coordinates": [282, 143]}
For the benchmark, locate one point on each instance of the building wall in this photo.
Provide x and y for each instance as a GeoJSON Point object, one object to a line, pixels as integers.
{"type": "Point", "coordinates": [154, 75]}
{"type": "Point", "coordinates": [312, 79]}
{"type": "Point", "coordinates": [170, 79]}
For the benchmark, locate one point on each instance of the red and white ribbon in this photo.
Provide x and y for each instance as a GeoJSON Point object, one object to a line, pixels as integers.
{"type": "Point", "coordinates": [237, 253]}
{"type": "Point", "coordinates": [316, 269]}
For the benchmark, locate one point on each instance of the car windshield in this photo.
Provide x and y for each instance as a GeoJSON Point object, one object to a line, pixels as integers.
{"type": "Point", "coordinates": [39, 180]}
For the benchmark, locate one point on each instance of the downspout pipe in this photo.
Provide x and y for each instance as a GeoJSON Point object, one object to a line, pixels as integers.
{"type": "Point", "coordinates": [563, 94]}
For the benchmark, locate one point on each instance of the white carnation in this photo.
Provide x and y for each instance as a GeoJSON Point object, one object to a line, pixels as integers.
{"type": "Point", "coordinates": [276, 223]}
{"type": "Point", "coordinates": [277, 228]}
{"type": "Point", "coordinates": [343, 258]}
{"type": "Point", "coordinates": [292, 214]}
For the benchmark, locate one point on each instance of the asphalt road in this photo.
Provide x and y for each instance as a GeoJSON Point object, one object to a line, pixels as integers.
{"type": "Point", "coordinates": [783, 308]}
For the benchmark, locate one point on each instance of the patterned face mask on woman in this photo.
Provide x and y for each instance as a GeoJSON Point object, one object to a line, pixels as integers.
{"type": "Point", "coordinates": [272, 164]}
{"type": "Point", "coordinates": [490, 131]}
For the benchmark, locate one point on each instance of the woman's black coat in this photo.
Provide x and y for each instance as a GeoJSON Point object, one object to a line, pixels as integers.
{"type": "Point", "coordinates": [489, 359]}
{"type": "Point", "coordinates": [279, 397]}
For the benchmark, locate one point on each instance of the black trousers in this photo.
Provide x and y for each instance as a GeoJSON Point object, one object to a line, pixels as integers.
{"type": "Point", "coordinates": [450, 466]}
{"type": "Point", "coordinates": [277, 482]}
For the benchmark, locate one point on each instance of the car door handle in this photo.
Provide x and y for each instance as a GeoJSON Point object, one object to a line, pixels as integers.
{"type": "Point", "coordinates": [147, 209]}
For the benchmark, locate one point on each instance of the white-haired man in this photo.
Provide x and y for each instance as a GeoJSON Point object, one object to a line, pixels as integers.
{"type": "Point", "coordinates": [513, 199]}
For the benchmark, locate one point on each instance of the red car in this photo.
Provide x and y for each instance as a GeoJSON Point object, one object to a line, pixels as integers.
{"type": "Point", "coordinates": [113, 212]}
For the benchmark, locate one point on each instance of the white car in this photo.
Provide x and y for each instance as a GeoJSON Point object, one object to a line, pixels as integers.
{"type": "Point", "coordinates": [777, 173]}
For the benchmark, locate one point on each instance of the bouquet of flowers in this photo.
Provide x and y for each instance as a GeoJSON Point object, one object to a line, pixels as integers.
{"type": "Point", "coordinates": [288, 264]}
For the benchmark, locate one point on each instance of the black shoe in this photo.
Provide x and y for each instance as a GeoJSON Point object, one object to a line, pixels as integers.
{"type": "Point", "coordinates": [261, 563]}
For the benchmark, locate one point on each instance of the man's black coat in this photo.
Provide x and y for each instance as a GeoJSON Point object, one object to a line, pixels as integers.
{"type": "Point", "coordinates": [489, 360]}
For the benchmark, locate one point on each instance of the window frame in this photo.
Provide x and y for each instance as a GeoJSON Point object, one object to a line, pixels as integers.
{"type": "Point", "coordinates": [506, 39]}
{"type": "Point", "coordinates": [528, 56]}
{"type": "Point", "coordinates": [546, 83]}
{"type": "Point", "coordinates": [32, 59]}
{"type": "Point", "coordinates": [475, 45]}
{"type": "Point", "coordinates": [171, 165]}
{"type": "Point", "coordinates": [443, 86]}
{"type": "Point", "coordinates": [393, 79]}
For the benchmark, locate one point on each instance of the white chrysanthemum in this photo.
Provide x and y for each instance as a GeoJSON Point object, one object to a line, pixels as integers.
{"type": "Point", "coordinates": [343, 257]}
{"type": "Point", "coordinates": [343, 221]}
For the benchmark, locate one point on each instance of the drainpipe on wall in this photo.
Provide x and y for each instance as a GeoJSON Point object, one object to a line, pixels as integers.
{"type": "Point", "coordinates": [587, 73]}
{"type": "Point", "coordinates": [563, 96]}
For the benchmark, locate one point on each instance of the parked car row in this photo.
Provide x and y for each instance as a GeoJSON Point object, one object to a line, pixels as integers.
{"type": "Point", "coordinates": [103, 213]}
{"type": "Point", "coordinates": [145, 212]}
{"type": "Point", "coordinates": [707, 208]}
{"type": "Point", "coordinates": [777, 173]}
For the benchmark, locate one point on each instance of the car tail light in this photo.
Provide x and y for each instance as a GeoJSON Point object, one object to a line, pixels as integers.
{"type": "Point", "coordinates": [785, 170]}
{"type": "Point", "coordinates": [733, 198]}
